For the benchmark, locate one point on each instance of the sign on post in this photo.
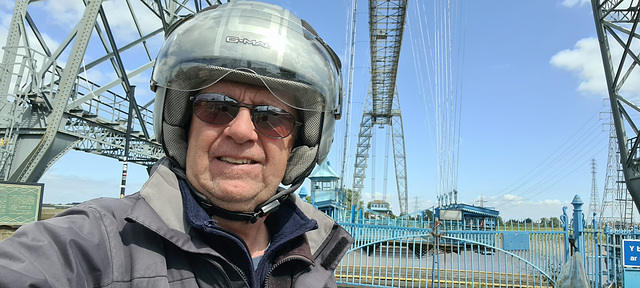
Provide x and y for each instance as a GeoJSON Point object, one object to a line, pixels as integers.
{"type": "Point", "coordinates": [631, 253]}
{"type": "Point", "coordinates": [20, 203]}
{"type": "Point", "coordinates": [451, 215]}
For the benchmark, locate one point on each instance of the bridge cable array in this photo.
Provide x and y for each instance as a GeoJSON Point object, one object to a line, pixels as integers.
{"type": "Point", "coordinates": [437, 45]}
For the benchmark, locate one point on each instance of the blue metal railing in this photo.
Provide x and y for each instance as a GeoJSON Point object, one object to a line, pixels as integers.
{"type": "Point", "coordinates": [409, 257]}
{"type": "Point", "coordinates": [412, 253]}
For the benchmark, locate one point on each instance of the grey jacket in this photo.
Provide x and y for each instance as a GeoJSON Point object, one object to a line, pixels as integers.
{"type": "Point", "coordinates": [144, 240]}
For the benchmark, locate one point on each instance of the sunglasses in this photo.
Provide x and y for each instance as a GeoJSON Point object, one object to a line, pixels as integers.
{"type": "Point", "coordinates": [219, 109]}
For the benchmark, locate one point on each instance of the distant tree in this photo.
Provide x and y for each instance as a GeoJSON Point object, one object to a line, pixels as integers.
{"type": "Point", "coordinates": [348, 194]}
{"type": "Point", "coordinates": [554, 222]}
{"type": "Point", "coordinates": [428, 214]}
{"type": "Point", "coordinates": [544, 221]}
{"type": "Point", "coordinates": [512, 222]}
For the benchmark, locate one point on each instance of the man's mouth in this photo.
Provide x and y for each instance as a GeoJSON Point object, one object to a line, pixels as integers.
{"type": "Point", "coordinates": [236, 161]}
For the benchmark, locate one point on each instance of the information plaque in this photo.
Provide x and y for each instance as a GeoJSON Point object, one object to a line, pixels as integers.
{"type": "Point", "coordinates": [631, 253]}
{"type": "Point", "coordinates": [20, 203]}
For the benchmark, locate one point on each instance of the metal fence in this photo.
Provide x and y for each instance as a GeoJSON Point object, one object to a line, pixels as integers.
{"type": "Point", "coordinates": [426, 254]}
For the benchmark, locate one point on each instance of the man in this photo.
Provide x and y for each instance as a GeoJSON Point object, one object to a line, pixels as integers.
{"type": "Point", "coordinates": [246, 99]}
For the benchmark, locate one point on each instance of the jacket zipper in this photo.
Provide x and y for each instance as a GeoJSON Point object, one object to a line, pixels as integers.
{"type": "Point", "coordinates": [290, 258]}
{"type": "Point", "coordinates": [232, 234]}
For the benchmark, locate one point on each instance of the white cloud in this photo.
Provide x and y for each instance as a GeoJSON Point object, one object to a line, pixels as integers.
{"type": "Point", "coordinates": [58, 190]}
{"type": "Point", "coordinates": [550, 202]}
{"type": "Point", "coordinates": [585, 61]}
{"type": "Point", "coordinates": [143, 93]}
{"type": "Point", "coordinates": [65, 13]}
{"type": "Point", "coordinates": [7, 5]}
{"type": "Point", "coordinates": [121, 20]}
{"type": "Point", "coordinates": [573, 3]}
{"type": "Point", "coordinates": [510, 197]}
{"type": "Point", "coordinates": [521, 210]}
{"type": "Point", "coordinates": [96, 76]}
{"type": "Point", "coordinates": [6, 13]}
{"type": "Point", "coordinates": [67, 181]}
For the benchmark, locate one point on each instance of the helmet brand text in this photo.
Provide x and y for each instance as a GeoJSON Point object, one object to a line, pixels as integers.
{"type": "Point", "coordinates": [235, 39]}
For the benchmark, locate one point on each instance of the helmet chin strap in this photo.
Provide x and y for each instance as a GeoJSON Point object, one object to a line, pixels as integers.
{"type": "Point", "coordinates": [264, 209]}
{"type": "Point", "coordinates": [269, 206]}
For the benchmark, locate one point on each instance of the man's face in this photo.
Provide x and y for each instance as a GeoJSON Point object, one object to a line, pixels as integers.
{"type": "Point", "coordinates": [233, 165]}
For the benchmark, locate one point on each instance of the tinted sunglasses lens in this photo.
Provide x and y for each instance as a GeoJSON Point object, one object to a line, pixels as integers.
{"type": "Point", "coordinates": [273, 122]}
{"type": "Point", "coordinates": [215, 112]}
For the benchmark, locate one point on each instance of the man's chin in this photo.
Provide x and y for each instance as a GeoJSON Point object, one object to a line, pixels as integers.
{"type": "Point", "coordinates": [238, 202]}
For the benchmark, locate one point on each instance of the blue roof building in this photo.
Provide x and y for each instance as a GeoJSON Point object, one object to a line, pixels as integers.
{"type": "Point", "coordinates": [325, 193]}
{"type": "Point", "coordinates": [472, 217]}
{"type": "Point", "coordinates": [381, 206]}
{"type": "Point", "coordinates": [303, 193]}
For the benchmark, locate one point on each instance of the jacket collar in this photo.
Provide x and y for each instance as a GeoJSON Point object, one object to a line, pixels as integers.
{"type": "Point", "coordinates": [160, 213]}
{"type": "Point", "coordinates": [286, 223]}
{"type": "Point", "coordinates": [157, 211]}
{"type": "Point", "coordinates": [162, 193]}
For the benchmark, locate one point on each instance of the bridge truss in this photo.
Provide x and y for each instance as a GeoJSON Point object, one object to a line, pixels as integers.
{"type": "Point", "coordinates": [48, 103]}
{"type": "Point", "coordinates": [386, 20]}
{"type": "Point", "coordinates": [617, 26]}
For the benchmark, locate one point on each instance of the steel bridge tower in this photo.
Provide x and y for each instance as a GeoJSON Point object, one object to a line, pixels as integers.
{"type": "Point", "coordinates": [382, 107]}
{"type": "Point", "coordinates": [617, 206]}
{"type": "Point", "coordinates": [617, 25]}
{"type": "Point", "coordinates": [48, 105]}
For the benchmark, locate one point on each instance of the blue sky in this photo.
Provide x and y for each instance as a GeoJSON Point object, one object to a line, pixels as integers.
{"type": "Point", "coordinates": [532, 114]}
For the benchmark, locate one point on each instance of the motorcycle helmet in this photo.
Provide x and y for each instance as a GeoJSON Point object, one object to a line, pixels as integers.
{"type": "Point", "coordinates": [258, 44]}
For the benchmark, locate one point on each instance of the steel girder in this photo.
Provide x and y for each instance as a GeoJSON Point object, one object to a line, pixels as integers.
{"type": "Point", "coordinates": [397, 134]}
{"type": "Point", "coordinates": [65, 86]}
{"type": "Point", "coordinates": [47, 109]}
{"type": "Point", "coordinates": [362, 152]}
{"type": "Point", "coordinates": [364, 145]}
{"type": "Point", "coordinates": [616, 25]}
{"type": "Point", "coordinates": [387, 20]}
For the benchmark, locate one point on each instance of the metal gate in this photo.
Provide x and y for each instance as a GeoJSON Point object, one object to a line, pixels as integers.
{"type": "Point", "coordinates": [413, 257]}
{"type": "Point", "coordinates": [392, 253]}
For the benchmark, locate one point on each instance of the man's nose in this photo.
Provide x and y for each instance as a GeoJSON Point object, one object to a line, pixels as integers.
{"type": "Point", "coordinates": [241, 128]}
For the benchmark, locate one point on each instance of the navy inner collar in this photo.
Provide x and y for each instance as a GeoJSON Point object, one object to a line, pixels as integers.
{"type": "Point", "coordinates": [286, 223]}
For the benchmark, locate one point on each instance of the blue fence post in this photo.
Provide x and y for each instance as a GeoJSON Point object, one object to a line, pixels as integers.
{"type": "Point", "coordinates": [611, 255]}
{"type": "Point", "coordinates": [578, 224]}
{"type": "Point", "coordinates": [564, 219]}
{"type": "Point", "coordinates": [597, 250]}
{"type": "Point", "coordinates": [353, 213]}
